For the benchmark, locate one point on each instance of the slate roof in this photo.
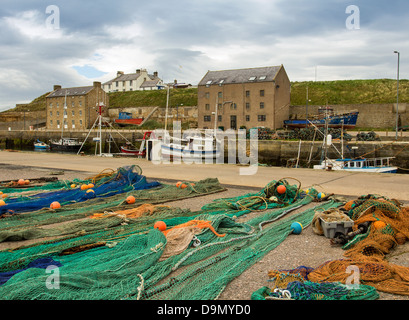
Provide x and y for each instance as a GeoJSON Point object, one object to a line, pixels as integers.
{"type": "Point", "coordinates": [263, 74]}
{"type": "Point", "coordinates": [129, 76]}
{"type": "Point", "coordinates": [75, 91]}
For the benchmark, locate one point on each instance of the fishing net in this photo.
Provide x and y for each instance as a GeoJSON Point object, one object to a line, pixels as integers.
{"type": "Point", "coordinates": [123, 180]}
{"type": "Point", "coordinates": [115, 253]}
{"type": "Point", "coordinates": [365, 265]}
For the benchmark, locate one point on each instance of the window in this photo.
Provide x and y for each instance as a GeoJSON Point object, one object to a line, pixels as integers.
{"type": "Point", "coordinates": [261, 93]}
{"type": "Point", "coordinates": [80, 112]}
{"type": "Point", "coordinates": [51, 122]}
{"type": "Point", "coordinates": [207, 106]}
{"type": "Point", "coordinates": [220, 95]}
{"type": "Point", "coordinates": [209, 82]}
{"type": "Point", "coordinates": [116, 83]}
{"type": "Point", "coordinates": [207, 95]}
{"type": "Point", "coordinates": [247, 106]}
{"type": "Point", "coordinates": [262, 78]}
{"type": "Point", "coordinates": [51, 113]}
{"type": "Point", "coordinates": [73, 122]}
{"type": "Point", "coordinates": [130, 82]}
{"type": "Point", "coordinates": [207, 118]}
{"type": "Point", "coordinates": [248, 93]}
{"type": "Point", "coordinates": [221, 81]}
{"type": "Point", "coordinates": [73, 113]}
{"type": "Point", "coordinates": [261, 118]}
{"type": "Point", "coordinates": [58, 113]}
{"type": "Point", "coordinates": [261, 105]}
{"type": "Point", "coordinates": [72, 104]}
{"type": "Point", "coordinates": [51, 104]}
{"type": "Point", "coordinates": [219, 118]}
{"type": "Point", "coordinates": [252, 78]}
{"type": "Point", "coordinates": [80, 122]}
{"type": "Point", "coordinates": [247, 118]}
{"type": "Point", "coordinates": [57, 105]}
{"type": "Point", "coordinates": [233, 106]}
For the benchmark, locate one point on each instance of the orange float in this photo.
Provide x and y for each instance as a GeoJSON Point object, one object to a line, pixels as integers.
{"type": "Point", "coordinates": [281, 189]}
{"type": "Point", "coordinates": [55, 205]}
{"type": "Point", "coordinates": [178, 184]}
{"type": "Point", "coordinates": [130, 200]}
{"type": "Point", "coordinates": [160, 225]}
{"type": "Point", "coordinates": [2, 203]}
{"type": "Point", "coordinates": [21, 182]}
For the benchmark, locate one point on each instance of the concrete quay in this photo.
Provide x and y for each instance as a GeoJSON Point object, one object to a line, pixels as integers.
{"type": "Point", "coordinates": [352, 184]}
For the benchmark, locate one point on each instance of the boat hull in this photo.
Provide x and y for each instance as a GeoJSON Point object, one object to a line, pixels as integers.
{"type": "Point", "coordinates": [132, 152]}
{"type": "Point", "coordinates": [358, 165]}
{"type": "Point", "coordinates": [178, 152]}
{"type": "Point", "coordinates": [124, 122]}
{"type": "Point", "coordinates": [346, 121]}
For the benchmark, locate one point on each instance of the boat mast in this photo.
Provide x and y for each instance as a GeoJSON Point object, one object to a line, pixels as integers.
{"type": "Point", "coordinates": [167, 106]}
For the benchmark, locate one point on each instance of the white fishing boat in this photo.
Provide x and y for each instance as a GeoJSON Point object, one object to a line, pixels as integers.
{"type": "Point", "coordinates": [190, 147]}
{"type": "Point", "coordinates": [41, 145]}
{"type": "Point", "coordinates": [376, 165]}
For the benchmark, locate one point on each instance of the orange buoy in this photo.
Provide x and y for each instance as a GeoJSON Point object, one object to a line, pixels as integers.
{"type": "Point", "coordinates": [2, 203]}
{"type": "Point", "coordinates": [4, 195]}
{"type": "Point", "coordinates": [178, 184]}
{"type": "Point", "coordinates": [84, 187]}
{"type": "Point", "coordinates": [1, 192]}
{"type": "Point", "coordinates": [90, 185]}
{"type": "Point", "coordinates": [281, 189]}
{"type": "Point", "coordinates": [26, 181]}
{"type": "Point", "coordinates": [183, 186]}
{"type": "Point", "coordinates": [55, 205]}
{"type": "Point", "coordinates": [130, 200]}
{"type": "Point", "coordinates": [90, 190]}
{"type": "Point", "coordinates": [73, 186]}
{"type": "Point", "coordinates": [379, 224]}
{"type": "Point", "coordinates": [160, 225]}
{"type": "Point", "coordinates": [21, 182]}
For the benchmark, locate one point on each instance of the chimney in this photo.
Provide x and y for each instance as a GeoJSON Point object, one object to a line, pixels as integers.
{"type": "Point", "coordinates": [119, 73]}
{"type": "Point", "coordinates": [97, 84]}
{"type": "Point", "coordinates": [175, 81]}
{"type": "Point", "coordinates": [57, 87]}
{"type": "Point", "coordinates": [155, 74]}
{"type": "Point", "coordinates": [138, 70]}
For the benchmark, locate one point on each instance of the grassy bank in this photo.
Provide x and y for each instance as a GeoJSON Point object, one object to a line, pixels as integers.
{"type": "Point", "coordinates": [320, 93]}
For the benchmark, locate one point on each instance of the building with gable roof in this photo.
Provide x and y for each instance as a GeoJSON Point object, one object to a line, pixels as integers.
{"type": "Point", "coordinates": [252, 97]}
{"type": "Point", "coordinates": [140, 80]}
{"type": "Point", "coordinates": [75, 108]}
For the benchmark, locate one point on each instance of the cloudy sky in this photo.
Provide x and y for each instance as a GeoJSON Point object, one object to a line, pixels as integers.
{"type": "Point", "coordinates": [73, 43]}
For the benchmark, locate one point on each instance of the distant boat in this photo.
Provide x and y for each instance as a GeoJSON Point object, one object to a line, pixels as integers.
{"type": "Point", "coordinates": [66, 144]}
{"type": "Point", "coordinates": [346, 120]}
{"type": "Point", "coordinates": [376, 165]}
{"type": "Point", "coordinates": [125, 118]}
{"type": "Point", "coordinates": [41, 145]}
{"type": "Point", "coordinates": [141, 152]}
{"type": "Point", "coordinates": [191, 147]}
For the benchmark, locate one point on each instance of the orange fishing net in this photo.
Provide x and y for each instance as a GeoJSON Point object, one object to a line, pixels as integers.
{"type": "Point", "coordinates": [368, 253]}
{"type": "Point", "coordinates": [200, 224]}
{"type": "Point", "coordinates": [133, 213]}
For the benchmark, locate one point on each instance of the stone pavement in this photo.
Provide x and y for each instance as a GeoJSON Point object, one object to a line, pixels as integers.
{"type": "Point", "coordinates": [340, 183]}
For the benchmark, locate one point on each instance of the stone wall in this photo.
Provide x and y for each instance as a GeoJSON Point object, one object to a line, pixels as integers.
{"type": "Point", "coordinates": [181, 113]}
{"type": "Point", "coordinates": [370, 115]}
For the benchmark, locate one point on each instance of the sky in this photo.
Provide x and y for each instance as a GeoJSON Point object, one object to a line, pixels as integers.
{"type": "Point", "coordinates": [74, 43]}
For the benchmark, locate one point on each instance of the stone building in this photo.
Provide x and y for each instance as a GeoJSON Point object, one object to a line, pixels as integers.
{"type": "Point", "coordinates": [76, 108]}
{"type": "Point", "coordinates": [253, 97]}
{"type": "Point", "coordinates": [140, 80]}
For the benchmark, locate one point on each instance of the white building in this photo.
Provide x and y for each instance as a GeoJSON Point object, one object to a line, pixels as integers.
{"type": "Point", "coordinates": [140, 80]}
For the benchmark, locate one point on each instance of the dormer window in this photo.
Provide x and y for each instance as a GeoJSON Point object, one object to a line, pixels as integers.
{"type": "Point", "coordinates": [252, 78]}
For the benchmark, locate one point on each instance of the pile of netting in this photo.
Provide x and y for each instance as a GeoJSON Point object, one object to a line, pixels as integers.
{"type": "Point", "coordinates": [110, 250]}
{"type": "Point", "coordinates": [121, 181]}
{"type": "Point", "coordinates": [380, 225]}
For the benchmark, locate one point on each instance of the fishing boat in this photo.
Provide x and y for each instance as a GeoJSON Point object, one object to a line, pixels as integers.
{"type": "Point", "coordinates": [41, 145]}
{"type": "Point", "coordinates": [65, 144]}
{"type": "Point", "coordinates": [125, 118]}
{"type": "Point", "coordinates": [141, 152]}
{"type": "Point", "coordinates": [345, 120]}
{"type": "Point", "coordinates": [376, 165]}
{"type": "Point", "coordinates": [191, 147]}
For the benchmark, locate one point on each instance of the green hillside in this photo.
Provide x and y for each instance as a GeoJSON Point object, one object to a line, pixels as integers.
{"type": "Point", "coordinates": [349, 92]}
{"type": "Point", "coordinates": [186, 97]}
{"type": "Point", "coordinates": [320, 93]}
